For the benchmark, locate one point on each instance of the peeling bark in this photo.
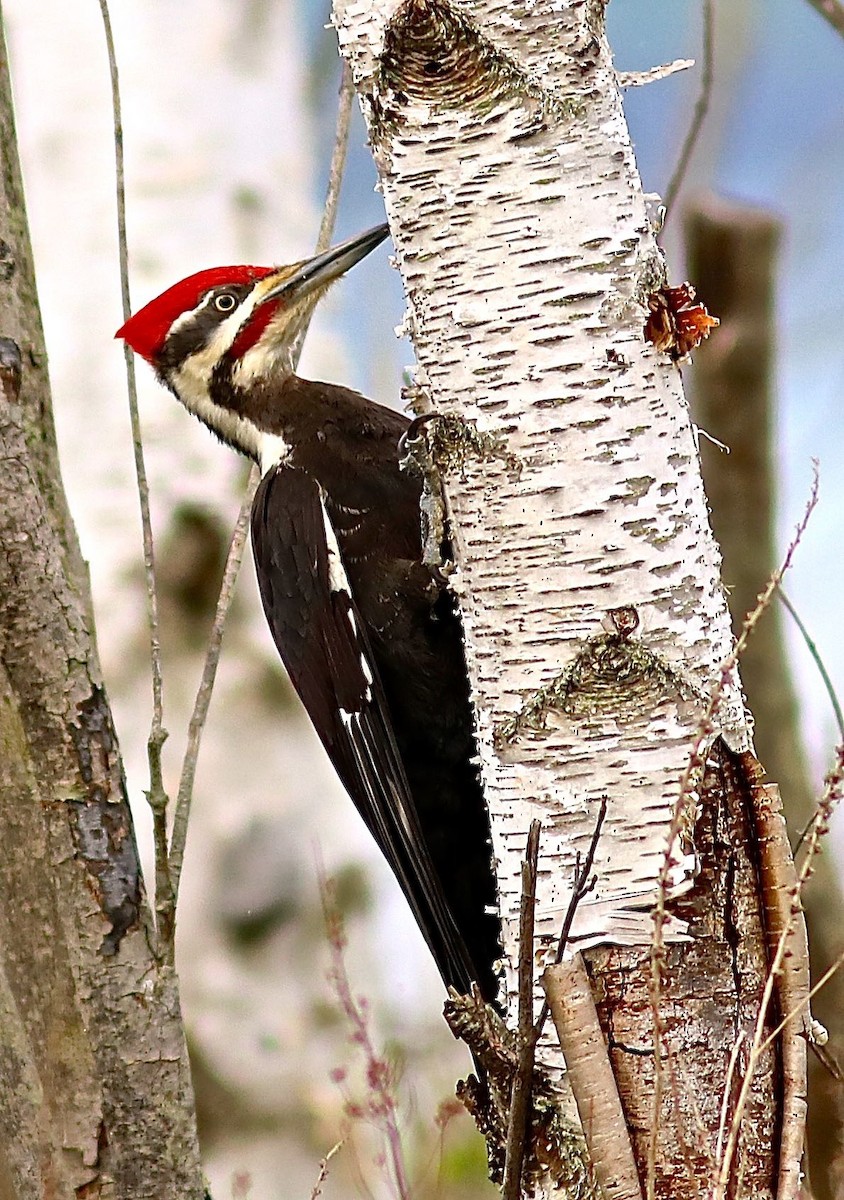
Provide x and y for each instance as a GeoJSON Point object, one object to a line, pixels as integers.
{"type": "Point", "coordinates": [95, 1094]}
{"type": "Point", "coordinates": [594, 616]}
{"type": "Point", "coordinates": [572, 1004]}
{"type": "Point", "coordinates": [711, 998]}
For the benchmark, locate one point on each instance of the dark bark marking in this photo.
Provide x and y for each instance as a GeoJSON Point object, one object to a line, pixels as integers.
{"type": "Point", "coordinates": [8, 263]}
{"type": "Point", "coordinates": [10, 359]}
{"type": "Point", "coordinates": [437, 55]}
{"type": "Point", "coordinates": [433, 53]}
{"type": "Point", "coordinates": [102, 825]}
{"type": "Point", "coordinates": [613, 673]}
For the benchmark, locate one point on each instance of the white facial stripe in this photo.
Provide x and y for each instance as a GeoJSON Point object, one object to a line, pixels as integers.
{"type": "Point", "coordinates": [338, 581]}
{"type": "Point", "coordinates": [194, 394]}
{"type": "Point", "coordinates": [192, 380]}
{"type": "Point", "coordinates": [198, 368]}
{"type": "Point", "coordinates": [188, 316]}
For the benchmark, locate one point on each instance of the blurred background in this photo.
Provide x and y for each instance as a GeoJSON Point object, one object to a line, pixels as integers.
{"type": "Point", "coordinates": [229, 111]}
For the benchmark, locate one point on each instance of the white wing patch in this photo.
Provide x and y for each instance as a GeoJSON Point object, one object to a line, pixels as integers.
{"type": "Point", "coordinates": [369, 766]}
{"type": "Point", "coordinates": [338, 581]}
{"type": "Point", "coordinates": [337, 577]}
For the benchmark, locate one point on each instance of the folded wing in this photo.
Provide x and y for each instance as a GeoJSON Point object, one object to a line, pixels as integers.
{"type": "Point", "coordinates": [324, 646]}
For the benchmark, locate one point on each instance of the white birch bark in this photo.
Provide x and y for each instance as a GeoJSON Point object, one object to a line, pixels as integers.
{"type": "Point", "coordinates": [523, 241]}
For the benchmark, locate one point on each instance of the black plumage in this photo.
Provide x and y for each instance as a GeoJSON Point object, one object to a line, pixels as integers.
{"type": "Point", "coordinates": [404, 749]}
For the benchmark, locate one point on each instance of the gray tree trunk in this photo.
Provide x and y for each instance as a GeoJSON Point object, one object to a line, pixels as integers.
{"type": "Point", "coordinates": [95, 1093]}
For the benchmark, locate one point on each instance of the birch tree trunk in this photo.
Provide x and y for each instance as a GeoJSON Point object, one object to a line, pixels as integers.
{"type": "Point", "coordinates": [95, 1093]}
{"type": "Point", "coordinates": [595, 621]}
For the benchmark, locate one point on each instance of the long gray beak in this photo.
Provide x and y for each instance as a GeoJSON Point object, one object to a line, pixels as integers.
{"type": "Point", "coordinates": [319, 271]}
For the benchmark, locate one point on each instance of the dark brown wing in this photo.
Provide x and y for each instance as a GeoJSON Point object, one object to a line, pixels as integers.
{"type": "Point", "coordinates": [323, 644]}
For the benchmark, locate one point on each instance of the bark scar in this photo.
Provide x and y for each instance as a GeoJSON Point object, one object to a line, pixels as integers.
{"type": "Point", "coordinates": [10, 357]}
{"type": "Point", "coordinates": [609, 669]}
{"type": "Point", "coordinates": [436, 54]}
{"type": "Point", "coordinates": [434, 445]}
{"type": "Point", "coordinates": [102, 826]}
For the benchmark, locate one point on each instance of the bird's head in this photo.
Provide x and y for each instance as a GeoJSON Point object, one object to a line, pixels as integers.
{"type": "Point", "coordinates": [216, 335]}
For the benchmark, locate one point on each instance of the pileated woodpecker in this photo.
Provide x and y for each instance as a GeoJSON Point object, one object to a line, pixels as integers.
{"type": "Point", "coordinates": [369, 635]}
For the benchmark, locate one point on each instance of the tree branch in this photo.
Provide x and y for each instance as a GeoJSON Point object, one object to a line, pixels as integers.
{"type": "Point", "coordinates": [517, 1126]}
{"type": "Point", "coordinates": [698, 116]}
{"type": "Point", "coordinates": [568, 994]}
{"type": "Point", "coordinates": [832, 11]}
{"type": "Point", "coordinates": [156, 795]}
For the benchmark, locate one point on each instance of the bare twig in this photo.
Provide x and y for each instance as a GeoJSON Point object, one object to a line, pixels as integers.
{"type": "Point", "coordinates": [338, 159]}
{"type": "Point", "coordinates": [832, 11]}
{"type": "Point", "coordinates": [818, 661]}
{"type": "Point", "coordinates": [517, 1124]}
{"type": "Point", "coordinates": [157, 796]}
{"type": "Point", "coordinates": [829, 801]}
{"type": "Point", "coordinates": [699, 114]}
{"type": "Point", "coordinates": [831, 970]}
{"type": "Point", "coordinates": [700, 742]}
{"type": "Point", "coordinates": [323, 1170]}
{"type": "Point", "coordinates": [203, 699]}
{"type": "Point", "coordinates": [335, 179]}
{"type": "Point", "coordinates": [627, 79]}
{"type": "Point", "coordinates": [830, 691]}
{"type": "Point", "coordinates": [583, 885]}
{"type": "Point", "coordinates": [381, 1103]}
{"type": "Point", "coordinates": [237, 544]}
{"type": "Point", "coordinates": [732, 1066]}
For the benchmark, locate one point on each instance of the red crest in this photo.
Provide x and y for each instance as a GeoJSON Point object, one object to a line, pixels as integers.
{"type": "Point", "coordinates": [146, 330]}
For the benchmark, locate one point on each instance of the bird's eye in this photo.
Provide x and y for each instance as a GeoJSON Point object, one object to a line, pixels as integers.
{"type": "Point", "coordinates": [226, 302]}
